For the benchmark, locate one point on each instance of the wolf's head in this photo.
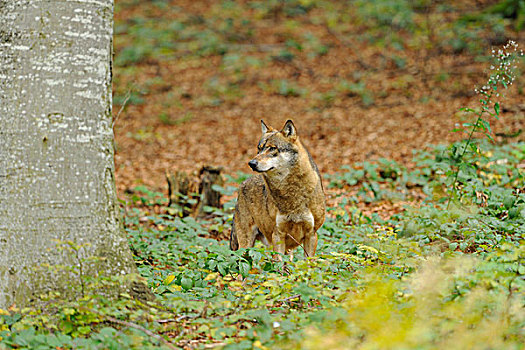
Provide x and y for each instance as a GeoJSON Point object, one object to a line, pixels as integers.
{"type": "Point", "coordinates": [277, 151]}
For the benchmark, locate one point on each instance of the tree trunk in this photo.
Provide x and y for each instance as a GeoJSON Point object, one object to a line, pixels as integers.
{"type": "Point", "coordinates": [56, 149]}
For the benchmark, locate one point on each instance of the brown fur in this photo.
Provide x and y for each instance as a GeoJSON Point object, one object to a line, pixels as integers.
{"type": "Point", "coordinates": [284, 205]}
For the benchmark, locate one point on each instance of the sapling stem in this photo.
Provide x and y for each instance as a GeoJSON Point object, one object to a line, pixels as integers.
{"type": "Point", "coordinates": [502, 74]}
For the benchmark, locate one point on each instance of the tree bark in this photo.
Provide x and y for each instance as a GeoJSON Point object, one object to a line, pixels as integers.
{"type": "Point", "coordinates": [56, 148]}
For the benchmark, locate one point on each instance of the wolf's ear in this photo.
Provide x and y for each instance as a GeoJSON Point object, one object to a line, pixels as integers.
{"type": "Point", "coordinates": [264, 127]}
{"type": "Point", "coordinates": [289, 129]}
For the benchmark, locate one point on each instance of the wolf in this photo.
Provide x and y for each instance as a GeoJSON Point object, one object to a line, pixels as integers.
{"type": "Point", "coordinates": [284, 204]}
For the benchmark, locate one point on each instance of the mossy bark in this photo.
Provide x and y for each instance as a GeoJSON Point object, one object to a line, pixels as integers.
{"type": "Point", "coordinates": [56, 149]}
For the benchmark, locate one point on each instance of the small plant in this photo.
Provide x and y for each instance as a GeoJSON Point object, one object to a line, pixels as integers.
{"type": "Point", "coordinates": [143, 134]}
{"type": "Point", "coordinates": [287, 8]}
{"type": "Point", "coordinates": [144, 196]}
{"type": "Point", "coordinates": [222, 91]}
{"type": "Point", "coordinates": [131, 98]}
{"type": "Point", "coordinates": [326, 99]}
{"type": "Point", "coordinates": [284, 88]}
{"type": "Point", "coordinates": [502, 75]}
{"type": "Point", "coordinates": [314, 46]}
{"type": "Point", "coordinates": [357, 89]}
{"type": "Point", "coordinates": [386, 13]}
{"type": "Point", "coordinates": [285, 55]}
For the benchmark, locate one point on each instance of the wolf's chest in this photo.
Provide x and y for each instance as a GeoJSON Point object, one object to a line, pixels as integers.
{"type": "Point", "coordinates": [305, 217]}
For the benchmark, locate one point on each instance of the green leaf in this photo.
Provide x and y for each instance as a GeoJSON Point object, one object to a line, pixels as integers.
{"type": "Point", "coordinates": [66, 327]}
{"type": "Point", "coordinates": [496, 108]}
{"type": "Point", "coordinates": [255, 255]}
{"type": "Point", "coordinates": [186, 283]}
{"type": "Point", "coordinates": [244, 269]}
{"type": "Point", "coordinates": [223, 268]}
{"type": "Point", "coordinates": [306, 292]}
{"type": "Point", "coordinates": [509, 201]}
{"type": "Point", "coordinates": [514, 212]}
{"type": "Point", "coordinates": [217, 188]}
{"type": "Point", "coordinates": [84, 330]}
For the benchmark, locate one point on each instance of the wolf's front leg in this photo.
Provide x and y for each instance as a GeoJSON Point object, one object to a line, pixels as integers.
{"type": "Point", "coordinates": [310, 244]}
{"type": "Point", "coordinates": [278, 242]}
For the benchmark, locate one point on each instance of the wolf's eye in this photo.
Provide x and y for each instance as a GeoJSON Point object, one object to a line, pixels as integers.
{"type": "Point", "coordinates": [272, 149]}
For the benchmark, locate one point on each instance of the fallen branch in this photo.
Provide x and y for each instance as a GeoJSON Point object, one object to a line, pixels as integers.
{"type": "Point", "coordinates": [132, 325]}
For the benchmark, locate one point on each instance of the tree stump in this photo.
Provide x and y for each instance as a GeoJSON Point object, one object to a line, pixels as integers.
{"type": "Point", "coordinates": [182, 191]}
{"type": "Point", "coordinates": [193, 194]}
{"type": "Point", "coordinates": [209, 176]}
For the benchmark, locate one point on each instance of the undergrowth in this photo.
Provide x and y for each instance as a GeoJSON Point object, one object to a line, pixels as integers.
{"type": "Point", "coordinates": [427, 277]}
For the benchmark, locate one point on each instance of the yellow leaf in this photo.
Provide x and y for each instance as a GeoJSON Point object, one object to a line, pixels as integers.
{"type": "Point", "coordinates": [68, 311]}
{"type": "Point", "coordinates": [175, 288]}
{"type": "Point", "coordinates": [236, 284]}
{"type": "Point", "coordinates": [370, 249]}
{"type": "Point", "coordinates": [257, 344]}
{"type": "Point", "coordinates": [168, 280]}
{"type": "Point", "coordinates": [339, 212]}
{"type": "Point", "coordinates": [211, 276]}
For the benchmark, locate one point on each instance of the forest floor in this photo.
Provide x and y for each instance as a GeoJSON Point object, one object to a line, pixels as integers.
{"type": "Point", "coordinates": [420, 248]}
{"type": "Point", "coordinates": [193, 79]}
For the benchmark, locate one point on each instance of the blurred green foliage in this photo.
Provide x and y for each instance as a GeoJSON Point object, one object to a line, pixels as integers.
{"type": "Point", "coordinates": [160, 31]}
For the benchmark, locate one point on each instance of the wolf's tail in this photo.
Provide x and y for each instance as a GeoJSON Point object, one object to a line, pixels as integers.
{"type": "Point", "coordinates": [234, 243]}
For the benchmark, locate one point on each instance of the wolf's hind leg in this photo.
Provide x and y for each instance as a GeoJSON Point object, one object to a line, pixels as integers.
{"type": "Point", "coordinates": [234, 243]}
{"type": "Point", "coordinates": [243, 225]}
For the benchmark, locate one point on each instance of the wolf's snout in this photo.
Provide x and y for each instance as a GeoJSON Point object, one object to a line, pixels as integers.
{"type": "Point", "coordinates": [253, 164]}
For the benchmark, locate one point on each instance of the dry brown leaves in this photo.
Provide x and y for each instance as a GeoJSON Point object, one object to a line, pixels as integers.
{"type": "Point", "coordinates": [412, 108]}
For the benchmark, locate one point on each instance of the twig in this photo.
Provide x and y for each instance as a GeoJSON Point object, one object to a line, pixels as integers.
{"type": "Point", "coordinates": [291, 297]}
{"type": "Point", "coordinates": [147, 331]}
{"type": "Point", "coordinates": [204, 309]}
{"type": "Point", "coordinates": [182, 317]}
{"type": "Point", "coordinates": [178, 319]}
{"type": "Point", "coordinates": [168, 320]}
{"type": "Point", "coordinates": [133, 325]}
{"type": "Point", "coordinates": [128, 95]}
{"type": "Point", "coordinates": [305, 252]}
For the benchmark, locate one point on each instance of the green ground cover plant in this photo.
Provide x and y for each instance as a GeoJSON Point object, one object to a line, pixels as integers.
{"type": "Point", "coordinates": [429, 277]}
